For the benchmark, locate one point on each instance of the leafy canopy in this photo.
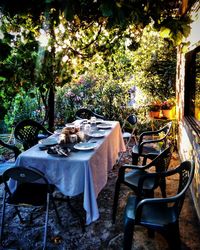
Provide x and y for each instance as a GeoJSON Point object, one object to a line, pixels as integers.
{"type": "Point", "coordinates": [165, 15]}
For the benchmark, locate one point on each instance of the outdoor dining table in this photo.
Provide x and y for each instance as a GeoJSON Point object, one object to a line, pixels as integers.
{"type": "Point", "coordinates": [83, 171]}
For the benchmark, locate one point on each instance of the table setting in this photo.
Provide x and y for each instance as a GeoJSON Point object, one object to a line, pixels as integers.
{"type": "Point", "coordinates": [77, 158]}
{"type": "Point", "coordinates": [79, 135]}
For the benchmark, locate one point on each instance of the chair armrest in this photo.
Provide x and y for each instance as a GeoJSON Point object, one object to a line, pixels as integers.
{"type": "Point", "coordinates": [156, 132]}
{"type": "Point", "coordinates": [147, 201]}
{"type": "Point", "coordinates": [11, 147]}
{"type": "Point", "coordinates": [123, 168]}
{"type": "Point", "coordinates": [46, 131]}
{"type": "Point", "coordinates": [150, 156]}
{"type": "Point", "coordinates": [129, 166]}
{"type": "Point", "coordinates": [155, 176]}
{"type": "Point", "coordinates": [148, 133]}
{"type": "Point", "coordinates": [140, 146]}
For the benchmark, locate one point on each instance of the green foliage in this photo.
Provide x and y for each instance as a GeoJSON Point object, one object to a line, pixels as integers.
{"type": "Point", "coordinates": [154, 66]}
{"type": "Point", "coordinates": [96, 65]}
{"type": "Point", "coordinates": [23, 107]}
{"type": "Point", "coordinates": [175, 29]}
{"type": "Point", "coordinates": [164, 14]}
{"type": "Point", "coordinates": [108, 99]}
{"type": "Point", "coordinates": [115, 97]}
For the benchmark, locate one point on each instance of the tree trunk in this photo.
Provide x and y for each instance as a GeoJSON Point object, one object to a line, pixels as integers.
{"type": "Point", "coordinates": [51, 109]}
{"type": "Point", "coordinates": [51, 97]}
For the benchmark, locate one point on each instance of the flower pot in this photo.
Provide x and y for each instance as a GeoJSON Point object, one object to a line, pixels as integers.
{"type": "Point", "coordinates": [154, 114]}
{"type": "Point", "coordinates": [197, 113]}
{"type": "Point", "coordinates": [169, 113]}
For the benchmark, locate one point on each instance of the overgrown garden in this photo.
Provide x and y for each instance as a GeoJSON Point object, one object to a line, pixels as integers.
{"type": "Point", "coordinates": [54, 60]}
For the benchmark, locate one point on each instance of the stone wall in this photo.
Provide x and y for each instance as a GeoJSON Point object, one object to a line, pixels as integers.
{"type": "Point", "coordinates": [188, 137]}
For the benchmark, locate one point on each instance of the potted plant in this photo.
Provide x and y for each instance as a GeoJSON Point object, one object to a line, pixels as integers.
{"type": "Point", "coordinates": [168, 109]}
{"type": "Point", "coordinates": [154, 109]}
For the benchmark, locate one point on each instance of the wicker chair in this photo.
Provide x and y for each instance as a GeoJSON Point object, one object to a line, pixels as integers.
{"type": "Point", "coordinates": [85, 113]}
{"type": "Point", "coordinates": [29, 132]}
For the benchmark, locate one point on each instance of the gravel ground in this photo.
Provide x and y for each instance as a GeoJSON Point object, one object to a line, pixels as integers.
{"type": "Point", "coordinates": [101, 234]}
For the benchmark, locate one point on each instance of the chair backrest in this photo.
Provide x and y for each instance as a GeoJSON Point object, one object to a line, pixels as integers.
{"type": "Point", "coordinates": [11, 147]}
{"type": "Point", "coordinates": [27, 131]}
{"type": "Point", "coordinates": [185, 172]}
{"type": "Point", "coordinates": [24, 175]}
{"type": "Point", "coordinates": [162, 161]}
{"type": "Point", "coordinates": [162, 133]}
{"type": "Point", "coordinates": [85, 113]}
{"type": "Point", "coordinates": [161, 164]}
{"type": "Point", "coordinates": [167, 128]}
{"type": "Point", "coordinates": [132, 119]}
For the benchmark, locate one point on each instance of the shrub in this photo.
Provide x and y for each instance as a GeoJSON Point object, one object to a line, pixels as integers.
{"type": "Point", "coordinates": [169, 104]}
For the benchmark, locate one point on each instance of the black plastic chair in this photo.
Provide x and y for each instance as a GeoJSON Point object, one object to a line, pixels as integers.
{"type": "Point", "coordinates": [29, 132]}
{"type": "Point", "coordinates": [85, 113]}
{"type": "Point", "coordinates": [131, 120]}
{"type": "Point", "coordinates": [159, 214]}
{"type": "Point", "coordinates": [33, 190]}
{"type": "Point", "coordinates": [131, 178]}
{"type": "Point", "coordinates": [149, 141]}
{"type": "Point", "coordinates": [8, 164]}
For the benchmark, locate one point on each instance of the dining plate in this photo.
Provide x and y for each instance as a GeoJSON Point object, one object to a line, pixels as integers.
{"type": "Point", "coordinates": [48, 142]}
{"type": "Point", "coordinates": [58, 131]}
{"type": "Point", "coordinates": [104, 125]}
{"type": "Point", "coordinates": [97, 134]}
{"type": "Point", "coordinates": [85, 146]}
{"type": "Point", "coordinates": [98, 121]}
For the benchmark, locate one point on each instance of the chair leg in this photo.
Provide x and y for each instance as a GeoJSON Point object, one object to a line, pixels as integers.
{"type": "Point", "coordinates": [163, 187]}
{"type": "Point", "coordinates": [116, 198]}
{"type": "Point", "coordinates": [46, 222]}
{"type": "Point", "coordinates": [82, 222]}
{"type": "Point", "coordinates": [56, 210]}
{"type": "Point", "coordinates": [151, 233]}
{"type": "Point", "coordinates": [173, 236]}
{"type": "Point", "coordinates": [19, 215]}
{"type": "Point", "coordinates": [127, 142]}
{"type": "Point", "coordinates": [135, 158]}
{"type": "Point", "coordinates": [67, 199]}
{"type": "Point", "coordinates": [135, 139]}
{"type": "Point", "coordinates": [119, 158]}
{"type": "Point", "coordinates": [128, 234]}
{"type": "Point", "coordinates": [2, 217]}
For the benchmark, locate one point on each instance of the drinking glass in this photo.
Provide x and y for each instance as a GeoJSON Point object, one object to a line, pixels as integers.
{"type": "Point", "coordinates": [93, 121]}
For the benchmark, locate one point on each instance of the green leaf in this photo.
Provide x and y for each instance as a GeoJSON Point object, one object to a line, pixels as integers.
{"type": "Point", "coordinates": [184, 49]}
{"type": "Point", "coordinates": [2, 78]}
{"type": "Point", "coordinates": [165, 32]}
{"type": "Point", "coordinates": [186, 30]}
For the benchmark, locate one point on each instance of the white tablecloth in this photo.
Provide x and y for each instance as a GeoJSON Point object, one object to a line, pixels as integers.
{"type": "Point", "coordinates": [83, 171]}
